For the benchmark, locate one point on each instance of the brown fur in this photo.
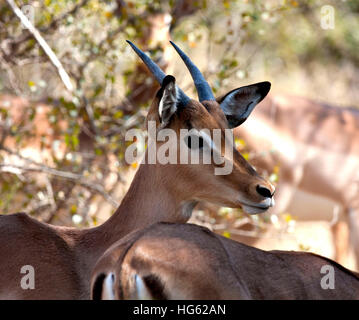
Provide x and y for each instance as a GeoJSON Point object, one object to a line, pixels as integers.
{"type": "Point", "coordinates": [191, 262]}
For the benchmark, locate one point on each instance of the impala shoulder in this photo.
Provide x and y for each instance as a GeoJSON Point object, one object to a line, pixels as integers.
{"type": "Point", "coordinates": [15, 226]}
{"type": "Point", "coordinates": [13, 215]}
{"type": "Point", "coordinates": [336, 265]}
{"type": "Point", "coordinates": [22, 223]}
{"type": "Point", "coordinates": [18, 218]}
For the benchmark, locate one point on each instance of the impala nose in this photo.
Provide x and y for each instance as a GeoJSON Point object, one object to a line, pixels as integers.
{"type": "Point", "coordinates": [264, 191]}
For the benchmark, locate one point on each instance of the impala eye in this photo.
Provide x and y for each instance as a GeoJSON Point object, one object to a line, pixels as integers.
{"type": "Point", "coordinates": [194, 142]}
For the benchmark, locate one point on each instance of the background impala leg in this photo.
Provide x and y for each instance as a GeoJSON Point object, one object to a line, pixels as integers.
{"type": "Point", "coordinates": [354, 233]}
{"type": "Point", "coordinates": [340, 231]}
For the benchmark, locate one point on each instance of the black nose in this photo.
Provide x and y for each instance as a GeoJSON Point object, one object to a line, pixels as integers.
{"type": "Point", "coordinates": [264, 192]}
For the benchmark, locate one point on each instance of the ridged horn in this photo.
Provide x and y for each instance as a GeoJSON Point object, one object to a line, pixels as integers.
{"type": "Point", "coordinates": [159, 75]}
{"type": "Point", "coordinates": [203, 89]}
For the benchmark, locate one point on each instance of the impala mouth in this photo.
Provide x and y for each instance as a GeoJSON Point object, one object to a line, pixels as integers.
{"type": "Point", "coordinates": [258, 208]}
{"type": "Point", "coordinates": [254, 209]}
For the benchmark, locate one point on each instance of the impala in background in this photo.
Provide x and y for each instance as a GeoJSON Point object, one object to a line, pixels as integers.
{"type": "Point", "coordinates": [316, 148]}
{"type": "Point", "coordinates": [63, 258]}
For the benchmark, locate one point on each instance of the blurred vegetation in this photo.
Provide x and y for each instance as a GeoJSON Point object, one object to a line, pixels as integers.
{"type": "Point", "coordinates": [234, 43]}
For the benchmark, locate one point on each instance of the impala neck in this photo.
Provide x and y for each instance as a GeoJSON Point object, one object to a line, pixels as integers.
{"type": "Point", "coordinates": [147, 201]}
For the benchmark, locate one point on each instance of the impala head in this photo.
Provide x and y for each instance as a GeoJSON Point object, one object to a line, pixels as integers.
{"type": "Point", "coordinates": [173, 109]}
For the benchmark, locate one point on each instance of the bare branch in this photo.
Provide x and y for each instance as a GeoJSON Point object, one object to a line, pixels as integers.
{"type": "Point", "coordinates": [39, 167]}
{"type": "Point", "coordinates": [50, 193]}
{"type": "Point", "coordinates": [54, 23]}
{"type": "Point", "coordinates": [36, 34]}
{"type": "Point", "coordinates": [78, 178]}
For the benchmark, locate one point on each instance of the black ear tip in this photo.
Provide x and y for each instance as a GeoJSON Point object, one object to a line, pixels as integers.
{"type": "Point", "coordinates": [167, 79]}
{"type": "Point", "coordinates": [264, 87]}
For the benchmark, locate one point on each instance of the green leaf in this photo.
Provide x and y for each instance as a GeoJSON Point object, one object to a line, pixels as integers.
{"type": "Point", "coordinates": [75, 141]}
{"type": "Point", "coordinates": [118, 114]}
{"type": "Point", "coordinates": [73, 209]}
{"type": "Point", "coordinates": [98, 152]}
{"type": "Point", "coordinates": [226, 234]}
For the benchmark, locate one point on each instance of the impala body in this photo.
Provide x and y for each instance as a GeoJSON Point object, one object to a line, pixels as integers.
{"type": "Point", "coordinates": [186, 261]}
{"type": "Point", "coordinates": [316, 147]}
{"type": "Point", "coordinates": [63, 258]}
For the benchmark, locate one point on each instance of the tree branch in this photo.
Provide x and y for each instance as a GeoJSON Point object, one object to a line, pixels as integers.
{"type": "Point", "coordinates": [78, 178]}
{"type": "Point", "coordinates": [41, 41]}
{"type": "Point", "coordinates": [54, 23]}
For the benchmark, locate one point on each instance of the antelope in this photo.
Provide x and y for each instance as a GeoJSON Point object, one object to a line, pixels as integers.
{"type": "Point", "coordinates": [62, 258]}
{"type": "Point", "coordinates": [186, 261]}
{"type": "Point", "coordinates": [290, 120]}
{"type": "Point", "coordinates": [316, 147]}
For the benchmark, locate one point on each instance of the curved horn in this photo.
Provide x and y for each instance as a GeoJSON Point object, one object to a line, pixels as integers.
{"type": "Point", "coordinates": [183, 99]}
{"type": "Point", "coordinates": [203, 89]}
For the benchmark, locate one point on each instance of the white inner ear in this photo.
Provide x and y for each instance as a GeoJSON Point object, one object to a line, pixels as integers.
{"type": "Point", "coordinates": [142, 291]}
{"type": "Point", "coordinates": [108, 292]}
{"type": "Point", "coordinates": [168, 102]}
{"type": "Point", "coordinates": [231, 106]}
{"type": "Point", "coordinates": [160, 108]}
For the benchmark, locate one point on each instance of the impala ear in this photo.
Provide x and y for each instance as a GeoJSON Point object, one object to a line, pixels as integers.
{"type": "Point", "coordinates": [168, 98]}
{"type": "Point", "coordinates": [149, 287]}
{"type": "Point", "coordinates": [239, 103]}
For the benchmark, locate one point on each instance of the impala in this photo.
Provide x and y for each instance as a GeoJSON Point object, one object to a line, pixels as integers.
{"type": "Point", "coordinates": [316, 147]}
{"type": "Point", "coordinates": [63, 258]}
{"type": "Point", "coordinates": [186, 261]}
{"type": "Point", "coordinates": [315, 144]}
